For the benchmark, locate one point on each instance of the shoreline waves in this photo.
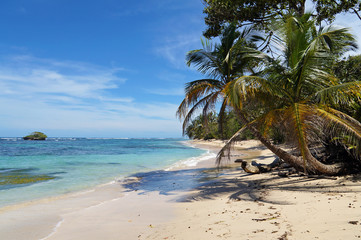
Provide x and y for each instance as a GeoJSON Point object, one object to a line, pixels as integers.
{"type": "Point", "coordinates": [197, 202]}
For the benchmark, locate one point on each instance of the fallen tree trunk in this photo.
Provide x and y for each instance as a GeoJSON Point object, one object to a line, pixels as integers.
{"type": "Point", "coordinates": [251, 166]}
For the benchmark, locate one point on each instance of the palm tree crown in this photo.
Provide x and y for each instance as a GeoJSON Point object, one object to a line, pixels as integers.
{"type": "Point", "coordinates": [220, 63]}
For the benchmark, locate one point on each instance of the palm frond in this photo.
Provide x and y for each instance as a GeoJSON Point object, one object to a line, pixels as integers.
{"type": "Point", "coordinates": [206, 62]}
{"type": "Point", "coordinates": [339, 94]}
{"type": "Point", "coordinates": [182, 109]}
{"type": "Point", "coordinates": [300, 112]}
{"type": "Point", "coordinates": [209, 105]}
{"type": "Point", "coordinates": [247, 87]}
{"type": "Point", "coordinates": [270, 119]}
{"type": "Point", "coordinates": [337, 39]}
{"type": "Point", "coordinates": [200, 104]}
{"type": "Point", "coordinates": [194, 91]}
{"type": "Point", "coordinates": [197, 89]}
{"type": "Point", "coordinates": [308, 54]}
{"type": "Point", "coordinates": [340, 124]}
{"type": "Point", "coordinates": [208, 84]}
{"type": "Point", "coordinates": [226, 149]}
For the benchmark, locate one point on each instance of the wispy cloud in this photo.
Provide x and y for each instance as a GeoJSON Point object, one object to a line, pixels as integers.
{"type": "Point", "coordinates": [174, 49]}
{"type": "Point", "coordinates": [77, 97]}
{"type": "Point", "coordinates": [26, 77]}
{"type": "Point", "coordinates": [179, 35]}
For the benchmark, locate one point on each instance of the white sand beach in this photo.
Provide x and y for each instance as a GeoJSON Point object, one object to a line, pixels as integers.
{"type": "Point", "coordinates": [232, 205]}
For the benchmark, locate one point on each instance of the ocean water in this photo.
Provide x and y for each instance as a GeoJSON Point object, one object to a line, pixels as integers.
{"type": "Point", "coordinates": [32, 170]}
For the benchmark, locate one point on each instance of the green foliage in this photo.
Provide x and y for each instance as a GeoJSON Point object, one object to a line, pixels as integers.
{"type": "Point", "coordinates": [349, 70]}
{"type": "Point", "coordinates": [35, 136]}
{"type": "Point", "coordinates": [277, 135]}
{"type": "Point", "coordinates": [303, 87]}
{"type": "Point", "coordinates": [221, 63]}
{"type": "Point", "coordinates": [219, 12]}
{"type": "Point", "coordinates": [197, 129]}
{"type": "Point", "coordinates": [290, 96]}
{"type": "Point", "coordinates": [260, 12]}
{"type": "Point", "coordinates": [328, 9]}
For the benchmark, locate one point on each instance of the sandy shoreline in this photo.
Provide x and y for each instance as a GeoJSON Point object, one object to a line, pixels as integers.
{"type": "Point", "coordinates": [228, 204]}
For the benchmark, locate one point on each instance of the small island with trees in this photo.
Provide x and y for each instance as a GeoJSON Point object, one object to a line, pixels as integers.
{"type": "Point", "coordinates": [35, 136]}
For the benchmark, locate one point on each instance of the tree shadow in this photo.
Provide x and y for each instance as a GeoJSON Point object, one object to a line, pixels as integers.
{"type": "Point", "coordinates": [207, 183]}
{"type": "Point", "coordinates": [169, 182]}
{"type": "Point", "coordinates": [241, 187]}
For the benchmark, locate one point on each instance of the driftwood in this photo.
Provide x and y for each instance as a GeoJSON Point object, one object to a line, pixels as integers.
{"type": "Point", "coordinates": [251, 166]}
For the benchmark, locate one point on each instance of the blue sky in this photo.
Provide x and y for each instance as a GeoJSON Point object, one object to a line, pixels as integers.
{"type": "Point", "coordinates": [92, 68]}
{"type": "Point", "coordinates": [104, 68]}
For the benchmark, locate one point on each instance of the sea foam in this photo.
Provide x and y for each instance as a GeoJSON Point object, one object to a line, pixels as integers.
{"type": "Point", "coordinates": [192, 161]}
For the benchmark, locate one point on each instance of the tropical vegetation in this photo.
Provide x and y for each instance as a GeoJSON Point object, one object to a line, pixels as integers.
{"type": "Point", "coordinates": [261, 12]}
{"type": "Point", "coordinates": [220, 63]}
{"type": "Point", "coordinates": [197, 130]}
{"type": "Point", "coordinates": [349, 70]}
{"type": "Point", "coordinates": [289, 87]}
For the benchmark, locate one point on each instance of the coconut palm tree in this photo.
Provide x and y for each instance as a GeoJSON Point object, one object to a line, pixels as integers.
{"type": "Point", "coordinates": [302, 88]}
{"type": "Point", "coordinates": [221, 63]}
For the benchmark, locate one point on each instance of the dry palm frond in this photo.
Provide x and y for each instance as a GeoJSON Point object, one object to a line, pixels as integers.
{"type": "Point", "coordinates": [340, 93]}
{"type": "Point", "coordinates": [341, 125]}
{"type": "Point", "coordinates": [202, 103]}
{"type": "Point", "coordinates": [226, 149]}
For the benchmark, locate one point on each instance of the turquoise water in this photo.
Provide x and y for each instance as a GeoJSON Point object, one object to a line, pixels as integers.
{"type": "Point", "coordinates": [36, 169]}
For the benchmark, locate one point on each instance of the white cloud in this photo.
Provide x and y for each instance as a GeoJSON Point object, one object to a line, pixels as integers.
{"type": "Point", "coordinates": [175, 49]}
{"type": "Point", "coordinates": [25, 76]}
{"type": "Point", "coordinates": [75, 97]}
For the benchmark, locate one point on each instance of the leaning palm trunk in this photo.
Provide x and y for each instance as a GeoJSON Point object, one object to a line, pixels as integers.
{"type": "Point", "coordinates": [308, 164]}
{"type": "Point", "coordinates": [282, 154]}
{"type": "Point", "coordinates": [319, 167]}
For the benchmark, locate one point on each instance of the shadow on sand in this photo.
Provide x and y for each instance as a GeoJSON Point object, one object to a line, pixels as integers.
{"type": "Point", "coordinates": [168, 182]}
{"type": "Point", "coordinates": [208, 183]}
